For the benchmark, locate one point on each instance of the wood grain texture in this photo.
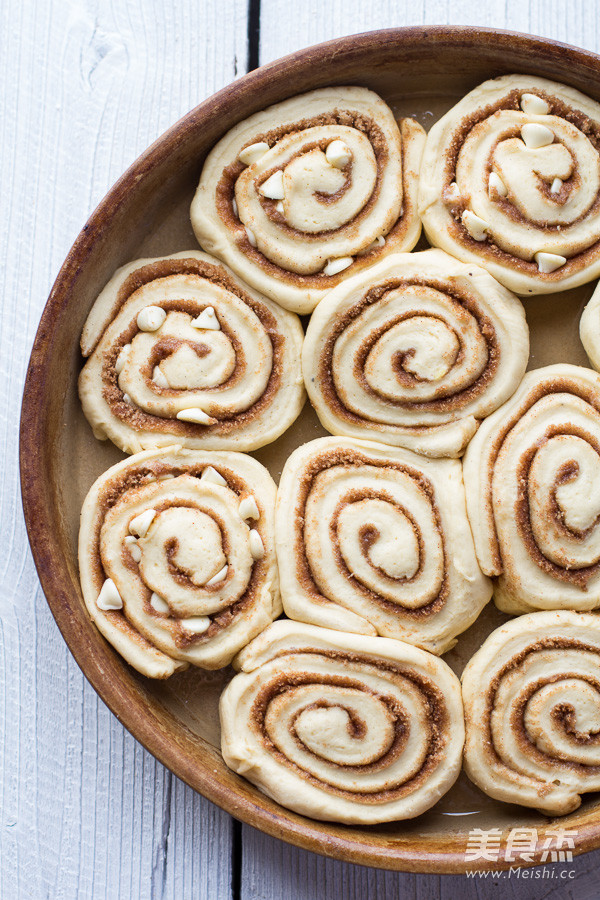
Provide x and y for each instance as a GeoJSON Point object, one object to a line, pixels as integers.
{"type": "Point", "coordinates": [86, 86]}
{"type": "Point", "coordinates": [86, 812]}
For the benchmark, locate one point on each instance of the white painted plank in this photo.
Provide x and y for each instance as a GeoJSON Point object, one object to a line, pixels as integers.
{"type": "Point", "coordinates": [272, 869]}
{"type": "Point", "coordinates": [286, 27]}
{"type": "Point", "coordinates": [85, 86]}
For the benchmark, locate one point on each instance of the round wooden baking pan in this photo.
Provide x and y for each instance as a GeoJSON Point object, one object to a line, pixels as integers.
{"type": "Point", "coordinates": [420, 72]}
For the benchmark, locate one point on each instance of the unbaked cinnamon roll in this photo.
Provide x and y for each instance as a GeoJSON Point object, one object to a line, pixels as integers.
{"type": "Point", "coordinates": [343, 727]}
{"type": "Point", "coordinates": [589, 329]}
{"type": "Point", "coordinates": [181, 351]}
{"type": "Point", "coordinates": [531, 475]}
{"type": "Point", "coordinates": [299, 196]}
{"type": "Point", "coordinates": [177, 559]}
{"type": "Point", "coordinates": [511, 180]}
{"type": "Point", "coordinates": [532, 711]}
{"type": "Point", "coordinates": [376, 540]}
{"type": "Point", "coordinates": [415, 352]}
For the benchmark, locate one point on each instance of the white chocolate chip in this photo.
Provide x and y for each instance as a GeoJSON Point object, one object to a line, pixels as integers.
{"type": "Point", "coordinates": [206, 320]}
{"type": "Point", "coordinates": [257, 548]}
{"type": "Point", "coordinates": [374, 245]}
{"type": "Point", "coordinates": [234, 207]}
{"type": "Point", "coordinates": [196, 624]}
{"type": "Point", "coordinates": [495, 183]}
{"type": "Point", "coordinates": [210, 474]}
{"type": "Point", "coordinates": [279, 207]}
{"type": "Point", "coordinates": [534, 105]}
{"type": "Point", "coordinates": [122, 358]}
{"type": "Point", "coordinates": [549, 262]}
{"type": "Point", "coordinates": [337, 265]}
{"type": "Point", "coordinates": [253, 152]}
{"type": "Point", "coordinates": [556, 186]}
{"type": "Point", "coordinates": [159, 378]}
{"type": "Point", "coordinates": [195, 415]}
{"type": "Point", "coordinates": [166, 477]}
{"type": "Point", "coordinates": [218, 577]}
{"type": "Point", "coordinates": [452, 193]}
{"type": "Point", "coordinates": [140, 525]}
{"type": "Point", "coordinates": [131, 543]}
{"type": "Point", "coordinates": [250, 236]}
{"type": "Point", "coordinates": [338, 154]}
{"type": "Point", "coordinates": [272, 188]}
{"type": "Point", "coordinates": [536, 135]}
{"type": "Point", "coordinates": [476, 226]}
{"type": "Point", "coordinates": [150, 318]}
{"type": "Point", "coordinates": [248, 508]}
{"type": "Point", "coordinates": [109, 597]}
{"type": "Point", "coordinates": [158, 603]}
{"type": "Point", "coordinates": [127, 399]}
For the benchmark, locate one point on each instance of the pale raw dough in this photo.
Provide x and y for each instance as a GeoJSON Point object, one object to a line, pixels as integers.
{"type": "Point", "coordinates": [532, 711]}
{"type": "Point", "coordinates": [589, 329]}
{"type": "Point", "coordinates": [329, 215]}
{"type": "Point", "coordinates": [375, 540]}
{"type": "Point", "coordinates": [343, 727]}
{"type": "Point", "coordinates": [167, 528]}
{"type": "Point", "coordinates": [532, 477]}
{"type": "Point", "coordinates": [415, 352]}
{"type": "Point", "coordinates": [505, 177]}
{"type": "Point", "coordinates": [222, 351]}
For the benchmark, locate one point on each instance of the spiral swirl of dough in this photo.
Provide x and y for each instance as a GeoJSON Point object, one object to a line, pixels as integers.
{"type": "Point", "coordinates": [532, 711]}
{"type": "Point", "coordinates": [531, 474]}
{"type": "Point", "coordinates": [180, 351]}
{"type": "Point", "coordinates": [414, 352]}
{"type": "Point", "coordinates": [177, 558]}
{"type": "Point", "coordinates": [343, 727]}
{"type": "Point", "coordinates": [511, 180]}
{"type": "Point", "coordinates": [304, 193]}
{"type": "Point", "coordinates": [376, 540]}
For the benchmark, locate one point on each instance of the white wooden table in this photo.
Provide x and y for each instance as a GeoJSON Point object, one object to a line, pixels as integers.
{"type": "Point", "coordinates": [85, 86]}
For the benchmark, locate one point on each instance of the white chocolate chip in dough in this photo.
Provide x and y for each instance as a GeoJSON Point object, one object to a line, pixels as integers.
{"type": "Point", "coordinates": [159, 378]}
{"type": "Point", "coordinates": [338, 154]}
{"type": "Point", "coordinates": [337, 265]}
{"type": "Point", "coordinates": [248, 509]}
{"type": "Point", "coordinates": [495, 183]}
{"type": "Point", "coordinates": [452, 193]}
{"type": "Point", "coordinates": [534, 105]}
{"type": "Point", "coordinates": [253, 152]}
{"type": "Point", "coordinates": [549, 262]}
{"type": "Point", "coordinates": [257, 548]}
{"type": "Point", "coordinates": [210, 474]}
{"type": "Point", "coordinates": [279, 207]}
{"type": "Point", "coordinates": [195, 415]}
{"type": "Point", "coordinates": [251, 236]}
{"type": "Point", "coordinates": [207, 319]}
{"type": "Point", "coordinates": [556, 186]}
{"type": "Point", "coordinates": [140, 525]}
{"type": "Point", "coordinates": [234, 207]}
{"type": "Point", "coordinates": [196, 624]}
{"type": "Point", "coordinates": [122, 358]}
{"type": "Point", "coordinates": [150, 318]}
{"type": "Point", "coordinates": [132, 546]}
{"type": "Point", "coordinates": [535, 135]}
{"type": "Point", "coordinates": [220, 576]}
{"type": "Point", "coordinates": [109, 597]}
{"type": "Point", "coordinates": [158, 603]}
{"type": "Point", "coordinates": [476, 226]}
{"type": "Point", "coordinates": [127, 399]}
{"type": "Point", "coordinates": [272, 188]}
